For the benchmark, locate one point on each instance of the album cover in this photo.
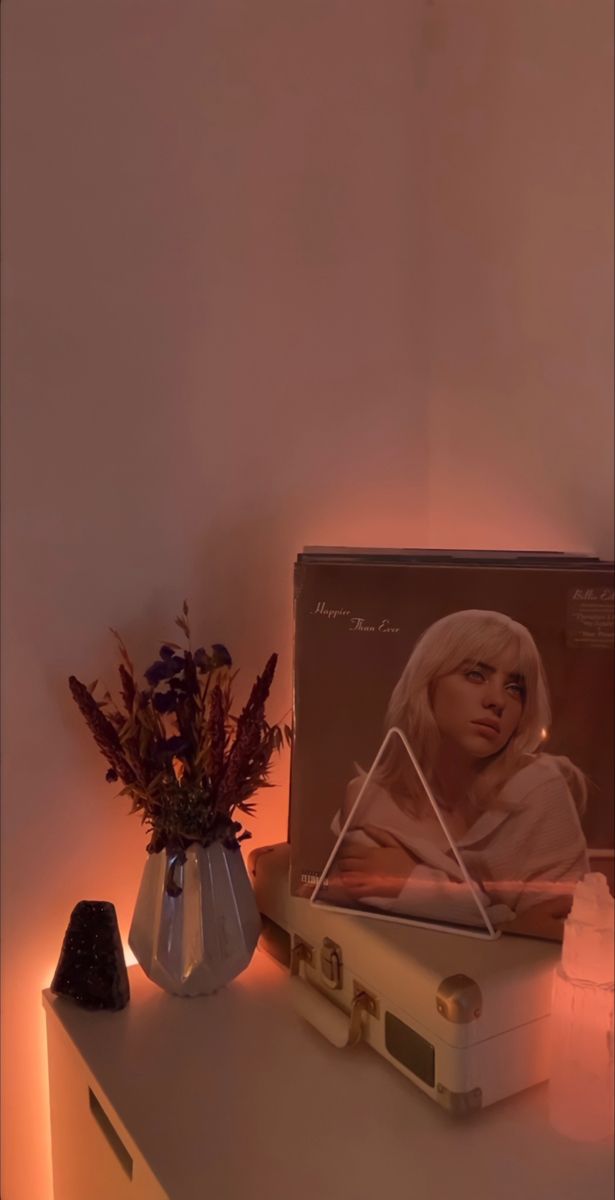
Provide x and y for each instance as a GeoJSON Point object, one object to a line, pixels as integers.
{"type": "Point", "coordinates": [453, 752]}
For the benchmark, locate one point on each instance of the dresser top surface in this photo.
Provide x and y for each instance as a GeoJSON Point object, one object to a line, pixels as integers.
{"type": "Point", "coordinates": [233, 1091]}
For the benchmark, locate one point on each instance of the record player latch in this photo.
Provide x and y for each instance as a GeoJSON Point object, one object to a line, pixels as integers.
{"type": "Point", "coordinates": [331, 964]}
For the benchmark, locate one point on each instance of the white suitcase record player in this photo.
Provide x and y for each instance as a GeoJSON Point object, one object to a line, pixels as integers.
{"type": "Point", "coordinates": [465, 1020]}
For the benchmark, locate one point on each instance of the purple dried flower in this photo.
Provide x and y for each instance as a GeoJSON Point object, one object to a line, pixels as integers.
{"type": "Point", "coordinates": [187, 763]}
{"type": "Point", "coordinates": [104, 733]}
{"type": "Point", "coordinates": [221, 656]}
{"type": "Point", "coordinates": [164, 669]}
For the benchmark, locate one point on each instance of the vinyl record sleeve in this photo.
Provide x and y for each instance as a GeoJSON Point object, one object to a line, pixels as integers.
{"type": "Point", "coordinates": [512, 730]}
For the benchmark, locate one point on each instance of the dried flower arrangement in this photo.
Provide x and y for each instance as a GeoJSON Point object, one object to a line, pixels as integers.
{"type": "Point", "coordinates": [185, 760]}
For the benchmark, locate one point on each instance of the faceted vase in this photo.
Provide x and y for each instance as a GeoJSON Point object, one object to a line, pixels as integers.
{"type": "Point", "coordinates": [193, 943]}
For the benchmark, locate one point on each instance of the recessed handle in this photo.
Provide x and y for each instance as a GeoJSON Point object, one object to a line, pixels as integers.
{"type": "Point", "coordinates": [111, 1135]}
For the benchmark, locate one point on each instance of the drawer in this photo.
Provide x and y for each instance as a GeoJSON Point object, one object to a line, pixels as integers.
{"type": "Point", "coordinates": [93, 1155]}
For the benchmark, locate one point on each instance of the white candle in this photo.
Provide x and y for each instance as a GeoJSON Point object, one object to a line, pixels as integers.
{"type": "Point", "coordinates": [581, 1085]}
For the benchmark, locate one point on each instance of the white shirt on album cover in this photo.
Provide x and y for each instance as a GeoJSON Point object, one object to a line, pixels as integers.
{"type": "Point", "coordinates": [527, 849]}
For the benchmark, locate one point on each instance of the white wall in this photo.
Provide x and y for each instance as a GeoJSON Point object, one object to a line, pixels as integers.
{"type": "Point", "coordinates": [517, 104]}
{"type": "Point", "coordinates": [276, 272]}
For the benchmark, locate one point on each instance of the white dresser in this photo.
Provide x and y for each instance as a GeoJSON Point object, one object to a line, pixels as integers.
{"type": "Point", "coordinates": [232, 1096]}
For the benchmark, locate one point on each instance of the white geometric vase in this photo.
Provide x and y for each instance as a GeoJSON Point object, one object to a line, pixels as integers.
{"type": "Point", "coordinates": [193, 943]}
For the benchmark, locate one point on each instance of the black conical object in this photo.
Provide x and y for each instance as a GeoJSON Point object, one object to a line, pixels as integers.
{"type": "Point", "coordinates": [91, 968]}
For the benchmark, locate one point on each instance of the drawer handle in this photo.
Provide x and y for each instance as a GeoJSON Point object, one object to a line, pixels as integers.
{"type": "Point", "coordinates": [111, 1135]}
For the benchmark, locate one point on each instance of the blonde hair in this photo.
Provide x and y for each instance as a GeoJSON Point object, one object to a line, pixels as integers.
{"type": "Point", "coordinates": [473, 635]}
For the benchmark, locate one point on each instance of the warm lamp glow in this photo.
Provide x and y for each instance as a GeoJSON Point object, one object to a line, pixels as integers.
{"type": "Point", "coordinates": [129, 957]}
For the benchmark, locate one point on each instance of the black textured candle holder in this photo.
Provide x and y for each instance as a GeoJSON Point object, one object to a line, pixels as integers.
{"type": "Point", "coordinates": [91, 969]}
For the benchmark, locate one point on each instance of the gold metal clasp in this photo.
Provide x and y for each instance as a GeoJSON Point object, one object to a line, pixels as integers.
{"type": "Point", "coordinates": [362, 1002]}
{"type": "Point", "coordinates": [331, 964]}
{"type": "Point", "coordinates": [301, 952]}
